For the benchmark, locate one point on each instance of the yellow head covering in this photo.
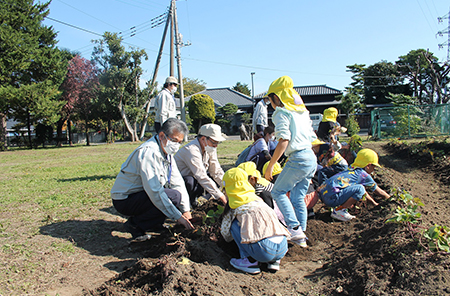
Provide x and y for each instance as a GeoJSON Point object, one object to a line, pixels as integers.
{"type": "Point", "coordinates": [283, 87]}
{"type": "Point", "coordinates": [330, 114]}
{"type": "Point", "coordinates": [365, 157]}
{"type": "Point", "coordinates": [250, 168]}
{"type": "Point", "coordinates": [276, 168]}
{"type": "Point", "coordinates": [239, 191]}
{"type": "Point", "coordinates": [317, 142]}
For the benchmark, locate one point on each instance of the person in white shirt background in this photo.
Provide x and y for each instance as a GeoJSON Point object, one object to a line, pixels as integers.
{"type": "Point", "coordinates": [260, 116]}
{"type": "Point", "coordinates": [165, 104]}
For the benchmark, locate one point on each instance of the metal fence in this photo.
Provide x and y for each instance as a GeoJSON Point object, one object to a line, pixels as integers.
{"type": "Point", "coordinates": [410, 121]}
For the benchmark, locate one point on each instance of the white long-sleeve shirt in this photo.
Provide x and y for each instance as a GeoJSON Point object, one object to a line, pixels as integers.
{"type": "Point", "coordinates": [149, 168]}
{"type": "Point", "coordinates": [295, 127]}
{"type": "Point", "coordinates": [165, 106]}
{"type": "Point", "coordinates": [192, 162]}
{"type": "Point", "coordinates": [260, 115]}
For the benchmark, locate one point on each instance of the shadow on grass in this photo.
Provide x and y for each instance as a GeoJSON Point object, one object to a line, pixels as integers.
{"type": "Point", "coordinates": [99, 238]}
{"type": "Point", "coordinates": [89, 178]}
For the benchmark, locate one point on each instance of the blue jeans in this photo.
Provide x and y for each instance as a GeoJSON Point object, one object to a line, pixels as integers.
{"type": "Point", "coordinates": [332, 199]}
{"type": "Point", "coordinates": [295, 177]}
{"type": "Point", "coordinates": [263, 251]}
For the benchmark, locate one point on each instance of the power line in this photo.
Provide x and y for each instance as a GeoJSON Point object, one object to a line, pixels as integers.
{"type": "Point", "coordinates": [425, 15]}
{"type": "Point", "coordinates": [73, 26]}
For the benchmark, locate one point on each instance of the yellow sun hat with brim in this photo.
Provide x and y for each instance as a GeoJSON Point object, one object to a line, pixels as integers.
{"type": "Point", "coordinates": [250, 168]}
{"type": "Point", "coordinates": [283, 87]}
{"type": "Point", "coordinates": [365, 157]}
{"type": "Point", "coordinates": [276, 168]}
{"type": "Point", "coordinates": [237, 187]}
{"type": "Point", "coordinates": [317, 142]}
{"type": "Point", "coordinates": [330, 114]}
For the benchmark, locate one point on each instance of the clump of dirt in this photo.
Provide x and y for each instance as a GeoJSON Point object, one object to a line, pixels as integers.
{"type": "Point", "coordinates": [365, 256]}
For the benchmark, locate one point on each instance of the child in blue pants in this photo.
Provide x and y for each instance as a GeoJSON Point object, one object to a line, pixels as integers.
{"type": "Point", "coordinates": [343, 190]}
{"type": "Point", "coordinates": [252, 224]}
{"type": "Point", "coordinates": [294, 132]}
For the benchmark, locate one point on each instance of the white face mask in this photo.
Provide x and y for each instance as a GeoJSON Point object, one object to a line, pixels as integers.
{"type": "Point", "coordinates": [210, 149]}
{"type": "Point", "coordinates": [272, 138]}
{"type": "Point", "coordinates": [174, 90]}
{"type": "Point", "coordinates": [268, 102]}
{"type": "Point", "coordinates": [171, 147]}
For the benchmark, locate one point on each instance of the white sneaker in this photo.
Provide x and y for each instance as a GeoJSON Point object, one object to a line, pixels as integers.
{"type": "Point", "coordinates": [301, 242]}
{"type": "Point", "coordinates": [342, 215]}
{"type": "Point", "coordinates": [274, 266]}
{"type": "Point", "coordinates": [296, 234]}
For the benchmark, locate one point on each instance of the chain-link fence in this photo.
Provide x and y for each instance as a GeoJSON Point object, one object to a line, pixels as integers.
{"type": "Point", "coordinates": [410, 121]}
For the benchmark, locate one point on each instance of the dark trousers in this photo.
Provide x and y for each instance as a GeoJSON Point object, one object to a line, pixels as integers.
{"type": "Point", "coordinates": [260, 128]}
{"type": "Point", "coordinates": [193, 188]}
{"type": "Point", "coordinates": [144, 214]}
{"type": "Point", "coordinates": [157, 127]}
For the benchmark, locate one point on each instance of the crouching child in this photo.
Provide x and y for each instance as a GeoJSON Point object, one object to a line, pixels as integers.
{"type": "Point", "coordinates": [343, 190]}
{"type": "Point", "coordinates": [252, 224]}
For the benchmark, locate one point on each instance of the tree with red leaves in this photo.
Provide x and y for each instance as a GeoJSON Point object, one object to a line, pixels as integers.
{"type": "Point", "coordinates": [79, 88]}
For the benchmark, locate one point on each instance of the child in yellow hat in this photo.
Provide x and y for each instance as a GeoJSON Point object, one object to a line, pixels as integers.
{"type": "Point", "coordinates": [343, 190]}
{"type": "Point", "coordinates": [252, 224]}
{"type": "Point", "coordinates": [294, 132]}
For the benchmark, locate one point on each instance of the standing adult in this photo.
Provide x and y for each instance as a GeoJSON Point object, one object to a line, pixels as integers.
{"type": "Point", "coordinates": [199, 165]}
{"type": "Point", "coordinates": [165, 104]}
{"type": "Point", "coordinates": [149, 186]}
{"type": "Point", "coordinates": [260, 117]}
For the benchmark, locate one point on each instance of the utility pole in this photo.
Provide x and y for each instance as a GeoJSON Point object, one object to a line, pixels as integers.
{"type": "Point", "coordinates": [172, 41]}
{"type": "Point", "coordinates": [441, 33]}
{"type": "Point", "coordinates": [178, 43]}
{"type": "Point", "coordinates": [155, 72]}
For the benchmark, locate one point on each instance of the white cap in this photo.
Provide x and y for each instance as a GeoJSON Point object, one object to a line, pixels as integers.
{"type": "Point", "coordinates": [213, 131]}
{"type": "Point", "coordinates": [171, 79]}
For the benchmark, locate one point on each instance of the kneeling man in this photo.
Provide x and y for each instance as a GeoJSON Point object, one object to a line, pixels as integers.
{"type": "Point", "coordinates": [149, 187]}
{"type": "Point", "coordinates": [199, 165]}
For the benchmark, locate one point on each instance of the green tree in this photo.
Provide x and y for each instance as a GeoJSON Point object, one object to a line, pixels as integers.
{"type": "Point", "coordinates": [201, 110]}
{"type": "Point", "coordinates": [242, 88]}
{"type": "Point", "coordinates": [120, 74]}
{"type": "Point", "coordinates": [416, 70]}
{"type": "Point", "coordinates": [191, 86]}
{"type": "Point", "coordinates": [31, 67]}
{"type": "Point", "coordinates": [380, 79]}
{"type": "Point", "coordinates": [227, 113]}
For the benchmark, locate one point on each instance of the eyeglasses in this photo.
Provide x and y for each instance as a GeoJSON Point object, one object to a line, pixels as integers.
{"type": "Point", "coordinates": [173, 140]}
{"type": "Point", "coordinates": [214, 143]}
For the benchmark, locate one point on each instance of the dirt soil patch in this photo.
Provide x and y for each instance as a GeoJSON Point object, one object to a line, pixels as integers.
{"type": "Point", "coordinates": [364, 256]}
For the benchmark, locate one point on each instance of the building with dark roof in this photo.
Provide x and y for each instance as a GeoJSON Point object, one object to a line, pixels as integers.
{"type": "Point", "coordinates": [317, 98]}
{"type": "Point", "coordinates": [225, 95]}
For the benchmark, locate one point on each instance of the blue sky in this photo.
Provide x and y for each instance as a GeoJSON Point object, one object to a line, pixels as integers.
{"type": "Point", "coordinates": [311, 41]}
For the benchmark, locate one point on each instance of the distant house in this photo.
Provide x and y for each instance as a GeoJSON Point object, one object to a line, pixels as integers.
{"type": "Point", "coordinates": [317, 98]}
{"type": "Point", "coordinates": [221, 97]}
{"type": "Point", "coordinates": [225, 95]}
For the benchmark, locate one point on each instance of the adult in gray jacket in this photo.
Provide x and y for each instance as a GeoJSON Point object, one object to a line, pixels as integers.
{"type": "Point", "coordinates": [149, 187]}
{"type": "Point", "coordinates": [199, 165]}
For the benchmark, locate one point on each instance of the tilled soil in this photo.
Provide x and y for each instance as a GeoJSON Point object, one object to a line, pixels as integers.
{"type": "Point", "coordinates": [365, 256]}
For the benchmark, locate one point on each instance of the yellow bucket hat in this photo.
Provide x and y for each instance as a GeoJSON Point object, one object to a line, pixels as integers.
{"type": "Point", "coordinates": [365, 157]}
{"type": "Point", "coordinates": [238, 190]}
{"type": "Point", "coordinates": [276, 168]}
{"type": "Point", "coordinates": [250, 168]}
{"type": "Point", "coordinates": [330, 114]}
{"type": "Point", "coordinates": [283, 87]}
{"type": "Point", "coordinates": [317, 142]}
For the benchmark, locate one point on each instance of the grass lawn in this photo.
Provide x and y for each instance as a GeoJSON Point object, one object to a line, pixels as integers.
{"type": "Point", "coordinates": [44, 187]}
